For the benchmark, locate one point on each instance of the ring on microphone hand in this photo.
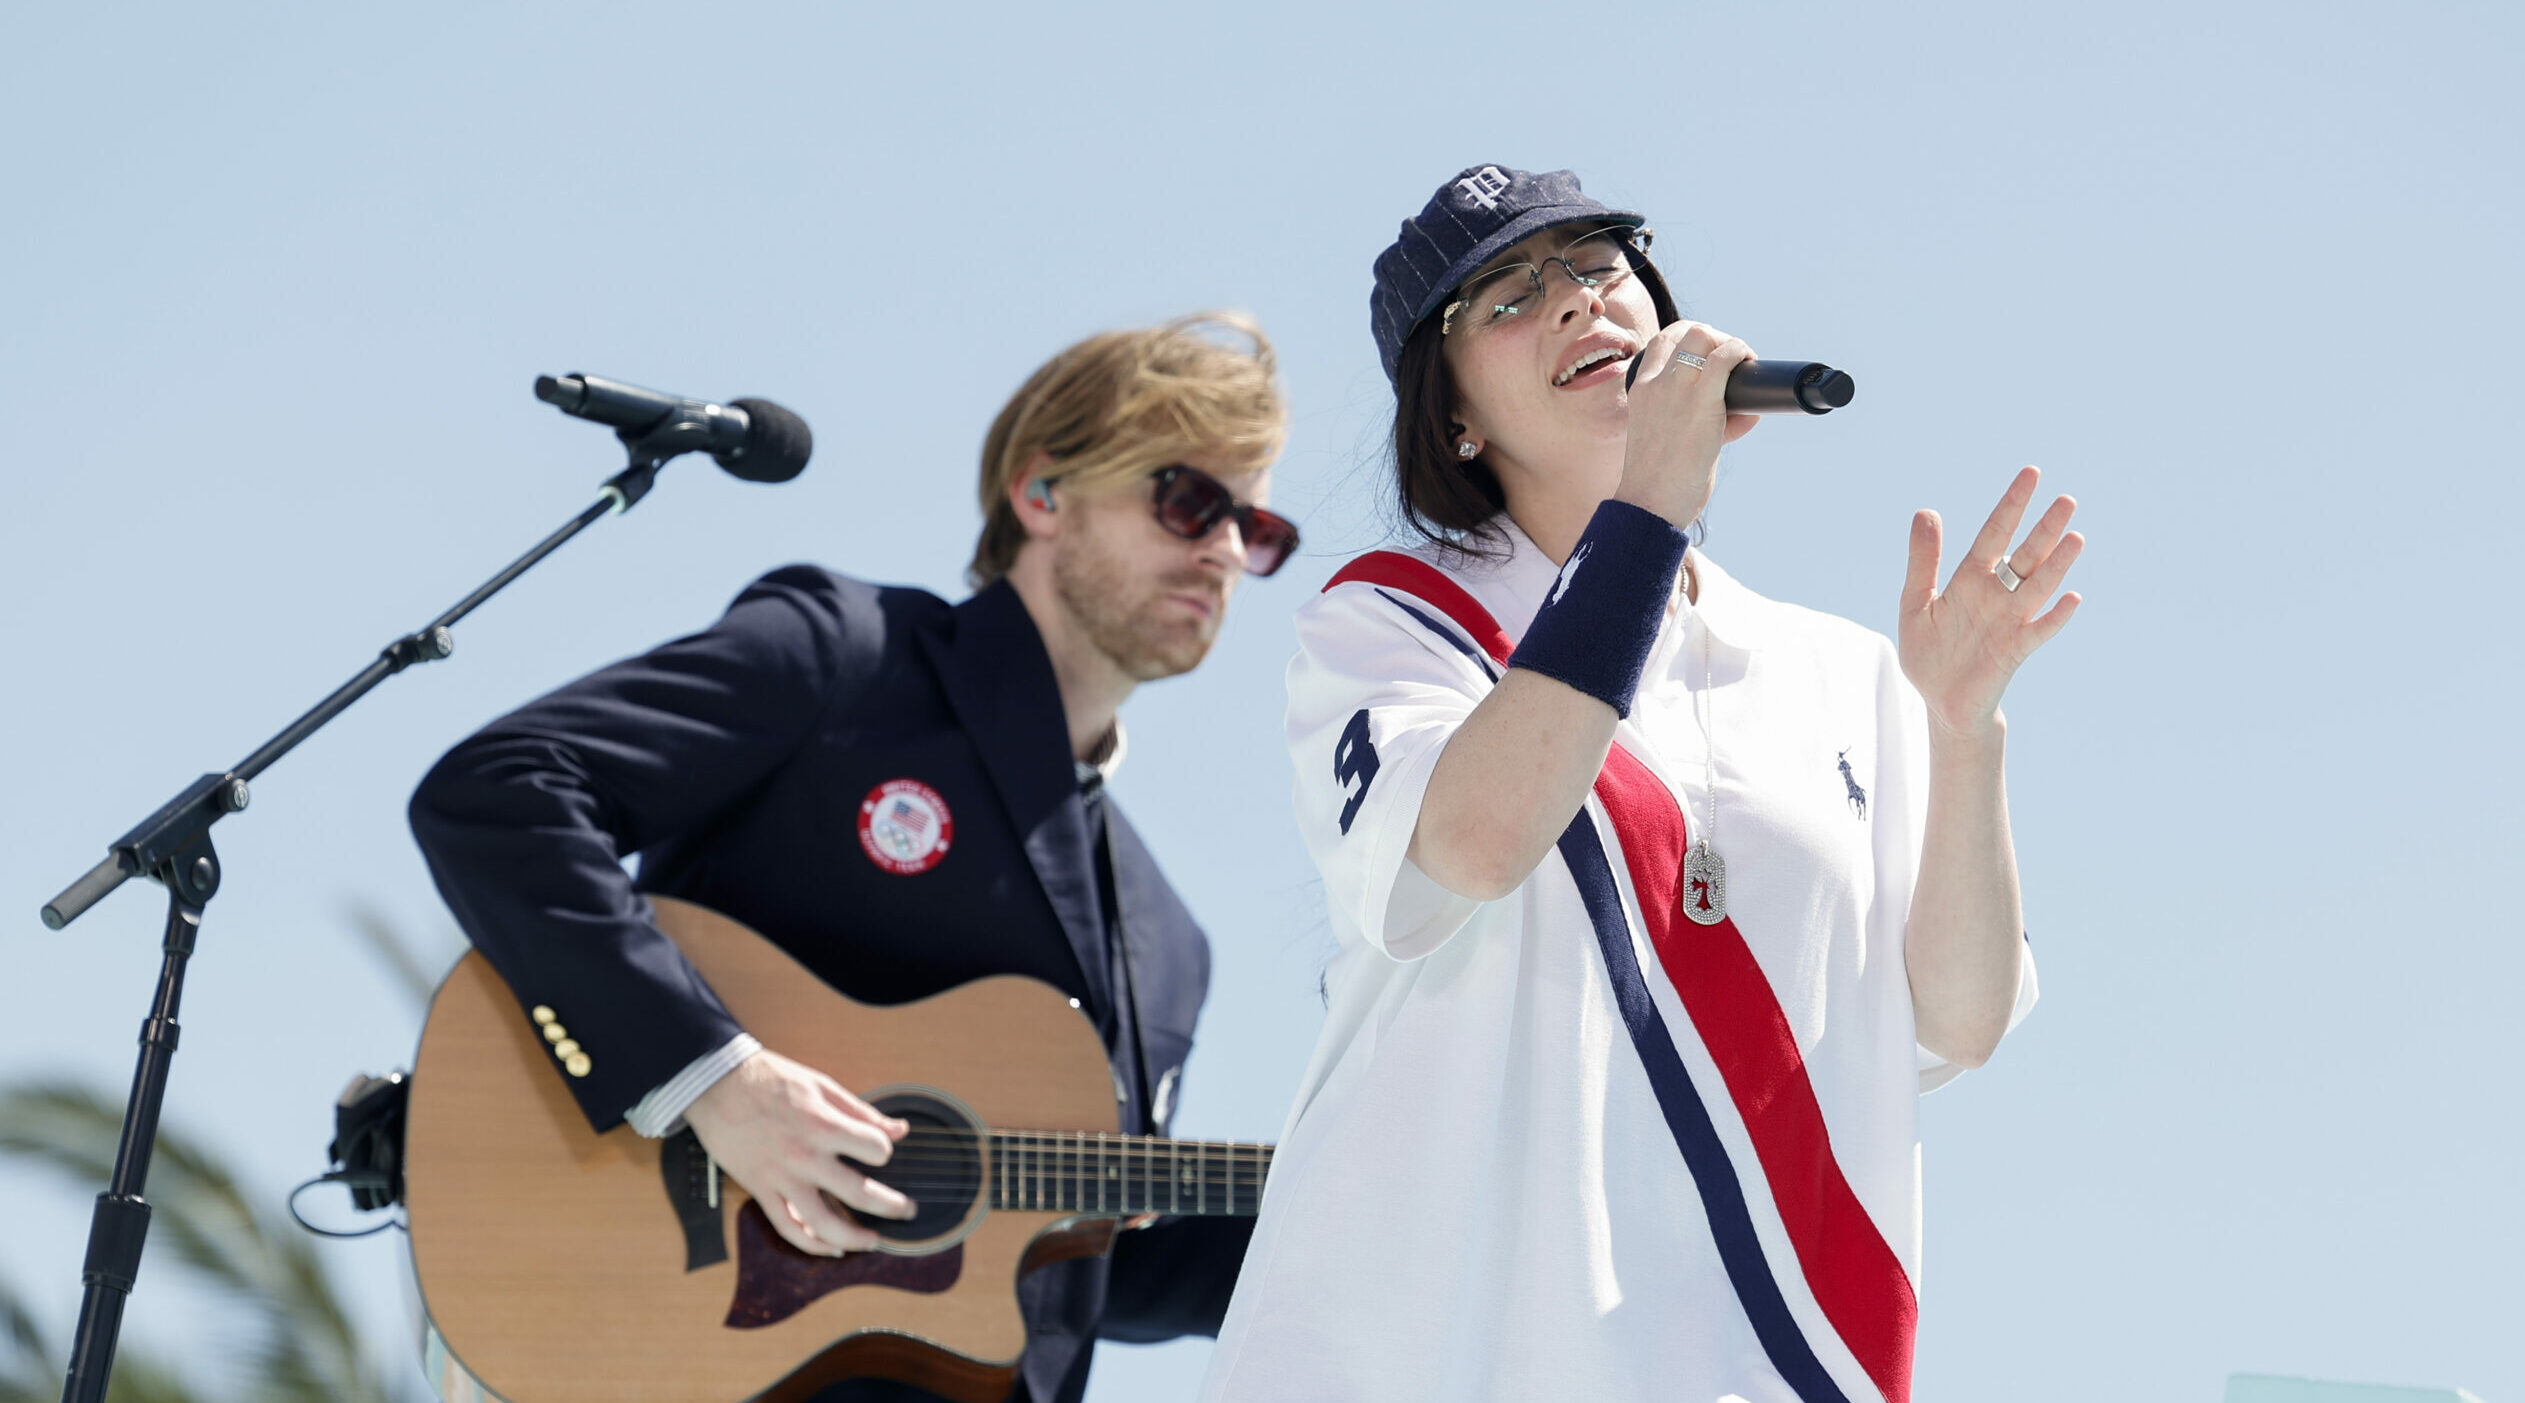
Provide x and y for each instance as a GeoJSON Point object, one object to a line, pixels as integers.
{"type": "Point", "coordinates": [1696, 362]}
{"type": "Point", "coordinates": [2009, 579]}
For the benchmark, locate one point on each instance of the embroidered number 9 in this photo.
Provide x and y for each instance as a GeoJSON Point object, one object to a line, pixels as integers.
{"type": "Point", "coordinates": [1354, 758]}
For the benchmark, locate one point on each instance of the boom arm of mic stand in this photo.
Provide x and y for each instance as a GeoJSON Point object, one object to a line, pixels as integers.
{"type": "Point", "coordinates": [189, 815]}
{"type": "Point", "coordinates": [173, 845]}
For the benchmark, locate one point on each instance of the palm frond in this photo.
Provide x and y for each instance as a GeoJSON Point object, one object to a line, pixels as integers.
{"type": "Point", "coordinates": [27, 1374]}
{"type": "Point", "coordinates": [25, 1340]}
{"type": "Point", "coordinates": [143, 1378]}
{"type": "Point", "coordinates": [306, 1348]}
{"type": "Point", "coordinates": [31, 1370]}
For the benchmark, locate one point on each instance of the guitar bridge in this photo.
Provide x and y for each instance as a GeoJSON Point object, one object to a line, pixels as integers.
{"type": "Point", "coordinates": [692, 1190]}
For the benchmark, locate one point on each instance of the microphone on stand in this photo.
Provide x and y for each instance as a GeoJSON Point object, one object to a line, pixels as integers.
{"type": "Point", "coordinates": [754, 439]}
{"type": "Point", "coordinates": [1779, 387]}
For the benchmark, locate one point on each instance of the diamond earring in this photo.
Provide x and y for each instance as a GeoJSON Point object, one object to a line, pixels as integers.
{"type": "Point", "coordinates": [1465, 450]}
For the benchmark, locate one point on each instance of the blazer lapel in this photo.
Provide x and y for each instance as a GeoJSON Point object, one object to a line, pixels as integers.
{"type": "Point", "coordinates": [1170, 961]}
{"type": "Point", "coordinates": [999, 680]}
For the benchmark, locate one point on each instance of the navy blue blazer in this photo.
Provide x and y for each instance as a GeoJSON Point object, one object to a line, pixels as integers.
{"type": "Point", "coordinates": [734, 763]}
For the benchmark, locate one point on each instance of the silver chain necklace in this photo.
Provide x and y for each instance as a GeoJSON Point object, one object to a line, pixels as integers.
{"type": "Point", "coordinates": [1704, 872]}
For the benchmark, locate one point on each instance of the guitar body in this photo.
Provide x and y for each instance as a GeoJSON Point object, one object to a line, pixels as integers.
{"type": "Point", "coordinates": [555, 1263]}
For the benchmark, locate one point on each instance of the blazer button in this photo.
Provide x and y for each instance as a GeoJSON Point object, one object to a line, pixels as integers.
{"type": "Point", "coordinates": [566, 1049]}
{"type": "Point", "coordinates": [544, 1013]}
{"type": "Point", "coordinates": [578, 1064]}
{"type": "Point", "coordinates": [554, 1033]}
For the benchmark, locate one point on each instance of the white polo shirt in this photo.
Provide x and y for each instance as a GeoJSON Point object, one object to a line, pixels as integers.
{"type": "Point", "coordinates": [1557, 1145]}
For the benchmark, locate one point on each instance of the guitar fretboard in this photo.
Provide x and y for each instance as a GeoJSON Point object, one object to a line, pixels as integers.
{"type": "Point", "coordinates": [1084, 1172]}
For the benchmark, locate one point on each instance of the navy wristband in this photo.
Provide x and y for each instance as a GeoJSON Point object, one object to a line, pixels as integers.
{"type": "Point", "coordinates": [1596, 627]}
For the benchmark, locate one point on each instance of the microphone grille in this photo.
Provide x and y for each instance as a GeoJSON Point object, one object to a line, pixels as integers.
{"type": "Point", "coordinates": [776, 446]}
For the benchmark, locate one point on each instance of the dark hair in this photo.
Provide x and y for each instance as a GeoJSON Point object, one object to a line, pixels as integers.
{"type": "Point", "coordinates": [1450, 501]}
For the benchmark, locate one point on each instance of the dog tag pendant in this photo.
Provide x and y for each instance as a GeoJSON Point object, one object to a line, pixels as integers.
{"type": "Point", "coordinates": [1704, 885]}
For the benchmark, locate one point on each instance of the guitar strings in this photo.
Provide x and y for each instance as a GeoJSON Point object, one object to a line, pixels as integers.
{"type": "Point", "coordinates": [939, 1171]}
{"type": "Point", "coordinates": [953, 1168]}
{"type": "Point", "coordinates": [1107, 1137]}
{"type": "Point", "coordinates": [1107, 1149]}
{"type": "Point", "coordinates": [1060, 1170]}
{"type": "Point", "coordinates": [942, 1145]}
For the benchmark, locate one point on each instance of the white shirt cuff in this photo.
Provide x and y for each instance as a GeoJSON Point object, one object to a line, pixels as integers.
{"type": "Point", "coordinates": [661, 1112]}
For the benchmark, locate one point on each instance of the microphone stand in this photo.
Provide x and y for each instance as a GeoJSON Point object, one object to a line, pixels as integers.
{"type": "Point", "coordinates": [173, 847]}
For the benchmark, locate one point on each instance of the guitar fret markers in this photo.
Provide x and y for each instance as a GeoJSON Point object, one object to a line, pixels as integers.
{"type": "Point", "coordinates": [1125, 1175]}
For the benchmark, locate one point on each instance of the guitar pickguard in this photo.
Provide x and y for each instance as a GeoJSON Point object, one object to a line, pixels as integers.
{"type": "Point", "coordinates": [775, 1281]}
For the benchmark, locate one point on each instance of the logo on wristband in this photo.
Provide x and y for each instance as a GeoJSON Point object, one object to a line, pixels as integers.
{"type": "Point", "coordinates": [1569, 572]}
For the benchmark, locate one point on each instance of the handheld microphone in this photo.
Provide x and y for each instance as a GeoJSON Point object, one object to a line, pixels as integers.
{"type": "Point", "coordinates": [754, 439]}
{"type": "Point", "coordinates": [1779, 387]}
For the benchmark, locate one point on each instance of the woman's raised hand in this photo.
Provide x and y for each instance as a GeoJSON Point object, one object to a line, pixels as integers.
{"type": "Point", "coordinates": [1679, 420]}
{"type": "Point", "coordinates": [1960, 645]}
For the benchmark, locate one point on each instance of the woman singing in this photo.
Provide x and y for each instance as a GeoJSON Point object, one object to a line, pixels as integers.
{"type": "Point", "coordinates": [1659, 902]}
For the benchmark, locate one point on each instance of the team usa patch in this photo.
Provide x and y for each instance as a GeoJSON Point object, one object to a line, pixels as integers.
{"type": "Point", "coordinates": [905, 827]}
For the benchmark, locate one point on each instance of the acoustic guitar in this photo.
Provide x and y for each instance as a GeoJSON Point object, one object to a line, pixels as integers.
{"type": "Point", "coordinates": [558, 1263]}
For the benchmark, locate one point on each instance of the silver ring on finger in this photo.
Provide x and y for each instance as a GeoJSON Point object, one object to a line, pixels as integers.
{"type": "Point", "coordinates": [2009, 579]}
{"type": "Point", "coordinates": [1696, 362]}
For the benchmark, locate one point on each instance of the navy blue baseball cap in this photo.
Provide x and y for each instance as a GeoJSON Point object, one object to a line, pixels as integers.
{"type": "Point", "coordinates": [1472, 217]}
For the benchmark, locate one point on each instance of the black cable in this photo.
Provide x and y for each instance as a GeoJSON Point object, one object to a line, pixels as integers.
{"type": "Point", "coordinates": [357, 1179]}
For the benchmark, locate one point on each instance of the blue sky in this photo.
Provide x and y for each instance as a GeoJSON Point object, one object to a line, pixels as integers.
{"type": "Point", "coordinates": [2241, 277]}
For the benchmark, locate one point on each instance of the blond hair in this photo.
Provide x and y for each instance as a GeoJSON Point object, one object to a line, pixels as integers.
{"type": "Point", "coordinates": [1126, 403]}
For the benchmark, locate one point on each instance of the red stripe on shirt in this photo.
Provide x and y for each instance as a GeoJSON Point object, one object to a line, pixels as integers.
{"type": "Point", "coordinates": [1853, 1273]}
{"type": "Point", "coordinates": [1415, 576]}
{"type": "Point", "coordinates": [1855, 1277]}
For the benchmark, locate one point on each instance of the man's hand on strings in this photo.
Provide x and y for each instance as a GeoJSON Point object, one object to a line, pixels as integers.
{"type": "Point", "coordinates": [781, 1129]}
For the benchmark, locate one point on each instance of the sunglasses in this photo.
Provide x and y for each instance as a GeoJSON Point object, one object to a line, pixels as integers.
{"type": "Point", "coordinates": [1191, 504]}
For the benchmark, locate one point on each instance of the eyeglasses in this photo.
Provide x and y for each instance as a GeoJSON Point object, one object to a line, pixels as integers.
{"type": "Point", "coordinates": [1597, 260]}
{"type": "Point", "coordinates": [1191, 504]}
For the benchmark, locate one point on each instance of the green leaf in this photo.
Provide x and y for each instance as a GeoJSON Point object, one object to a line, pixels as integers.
{"type": "Point", "coordinates": [304, 1347]}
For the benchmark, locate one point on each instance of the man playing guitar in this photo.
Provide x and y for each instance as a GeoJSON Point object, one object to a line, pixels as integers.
{"type": "Point", "coordinates": [905, 795]}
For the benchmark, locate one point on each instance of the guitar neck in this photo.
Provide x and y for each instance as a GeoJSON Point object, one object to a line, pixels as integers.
{"type": "Point", "coordinates": [1087, 1172]}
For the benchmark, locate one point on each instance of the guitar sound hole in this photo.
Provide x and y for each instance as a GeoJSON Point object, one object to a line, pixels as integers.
{"type": "Point", "coordinates": [938, 1165]}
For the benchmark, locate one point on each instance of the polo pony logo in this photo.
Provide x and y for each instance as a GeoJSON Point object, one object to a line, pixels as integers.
{"type": "Point", "coordinates": [1849, 781]}
{"type": "Point", "coordinates": [1483, 186]}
